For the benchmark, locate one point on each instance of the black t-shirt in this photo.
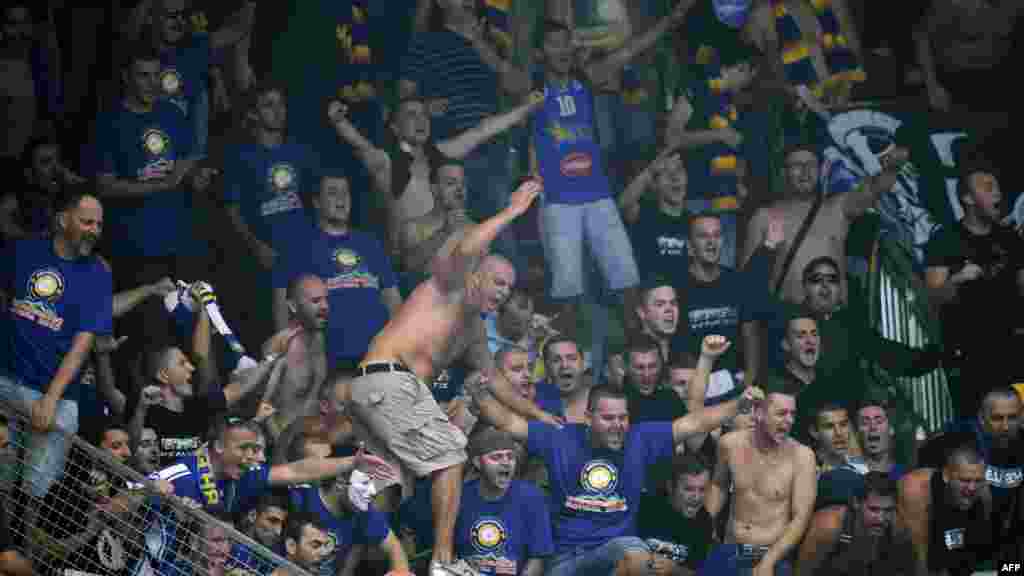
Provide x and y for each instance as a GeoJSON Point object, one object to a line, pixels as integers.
{"type": "Point", "coordinates": [181, 433]}
{"type": "Point", "coordinates": [957, 540]}
{"type": "Point", "coordinates": [692, 536]}
{"type": "Point", "coordinates": [989, 301]}
{"type": "Point", "coordinates": [659, 244]}
{"type": "Point", "coordinates": [664, 406]}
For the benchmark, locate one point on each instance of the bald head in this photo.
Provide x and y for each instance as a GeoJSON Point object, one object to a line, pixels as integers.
{"type": "Point", "coordinates": [495, 276]}
{"type": "Point", "coordinates": [307, 301]}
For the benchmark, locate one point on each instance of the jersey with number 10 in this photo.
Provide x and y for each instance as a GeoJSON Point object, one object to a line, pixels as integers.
{"type": "Point", "coordinates": [568, 154]}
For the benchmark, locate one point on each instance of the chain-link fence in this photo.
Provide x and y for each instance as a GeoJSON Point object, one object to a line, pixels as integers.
{"type": "Point", "coordinates": [101, 518]}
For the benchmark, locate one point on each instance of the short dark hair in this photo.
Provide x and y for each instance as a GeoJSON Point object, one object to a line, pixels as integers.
{"type": "Point", "coordinates": [797, 146]}
{"type": "Point", "coordinates": [295, 284]}
{"type": "Point", "coordinates": [877, 398]}
{"type": "Point", "coordinates": [545, 352]}
{"type": "Point", "coordinates": [652, 283]}
{"type": "Point", "coordinates": [69, 196]}
{"type": "Point", "coordinates": [604, 391]}
{"type": "Point", "coordinates": [829, 406]}
{"type": "Point", "coordinates": [688, 465]}
{"type": "Point", "coordinates": [819, 261]}
{"type": "Point", "coordinates": [966, 453]}
{"type": "Point", "coordinates": [104, 425]}
{"type": "Point", "coordinates": [505, 350]}
{"type": "Point", "coordinates": [642, 343]}
{"type": "Point", "coordinates": [263, 86]}
{"type": "Point", "coordinates": [38, 141]}
{"type": "Point", "coordinates": [297, 521]}
{"type": "Point", "coordinates": [272, 499]}
{"type": "Point", "coordinates": [879, 484]}
{"type": "Point", "coordinates": [435, 174]}
{"type": "Point", "coordinates": [138, 51]}
{"type": "Point", "coordinates": [156, 360]}
{"type": "Point", "coordinates": [232, 422]}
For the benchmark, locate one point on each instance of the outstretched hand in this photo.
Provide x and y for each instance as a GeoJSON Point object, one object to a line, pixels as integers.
{"type": "Point", "coordinates": [374, 466]}
{"type": "Point", "coordinates": [523, 197]}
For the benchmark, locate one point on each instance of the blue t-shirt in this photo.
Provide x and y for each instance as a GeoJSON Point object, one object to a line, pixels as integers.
{"type": "Point", "coordinates": [597, 491]}
{"type": "Point", "coordinates": [549, 399]}
{"type": "Point", "coordinates": [50, 301]}
{"type": "Point", "coordinates": [143, 147]}
{"type": "Point", "coordinates": [499, 537]}
{"type": "Point", "coordinates": [193, 478]}
{"type": "Point", "coordinates": [568, 153]}
{"type": "Point", "coordinates": [268, 184]}
{"type": "Point", "coordinates": [355, 268]}
{"type": "Point", "coordinates": [184, 73]}
{"type": "Point", "coordinates": [369, 528]}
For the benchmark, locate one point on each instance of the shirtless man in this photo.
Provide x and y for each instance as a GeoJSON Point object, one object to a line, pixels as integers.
{"type": "Point", "coordinates": [441, 321]}
{"type": "Point", "coordinates": [295, 393]}
{"type": "Point", "coordinates": [774, 486]}
{"type": "Point", "coordinates": [827, 235]}
{"type": "Point", "coordinates": [420, 155]}
{"type": "Point", "coordinates": [440, 229]}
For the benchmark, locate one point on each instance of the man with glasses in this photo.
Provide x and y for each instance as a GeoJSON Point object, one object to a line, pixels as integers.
{"type": "Point", "coordinates": [847, 337]}
{"type": "Point", "coordinates": [827, 234]}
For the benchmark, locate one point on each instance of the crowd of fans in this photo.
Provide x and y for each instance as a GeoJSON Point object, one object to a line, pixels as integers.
{"type": "Point", "coordinates": [487, 304]}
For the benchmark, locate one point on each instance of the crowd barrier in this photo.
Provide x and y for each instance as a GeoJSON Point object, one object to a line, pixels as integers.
{"type": "Point", "coordinates": [101, 518]}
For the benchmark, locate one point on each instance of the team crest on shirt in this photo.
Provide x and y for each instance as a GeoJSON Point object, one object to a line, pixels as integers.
{"type": "Point", "coordinates": [488, 535]}
{"type": "Point", "coordinates": [170, 82]}
{"type": "Point", "coordinates": [599, 476]}
{"type": "Point", "coordinates": [599, 480]}
{"type": "Point", "coordinates": [347, 260]}
{"type": "Point", "coordinates": [155, 141]}
{"type": "Point", "coordinates": [46, 285]}
{"type": "Point", "coordinates": [45, 288]}
{"type": "Point", "coordinates": [282, 177]}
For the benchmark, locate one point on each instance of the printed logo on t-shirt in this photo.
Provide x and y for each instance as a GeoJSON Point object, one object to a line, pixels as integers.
{"type": "Point", "coordinates": [442, 381]}
{"type": "Point", "coordinates": [170, 82]}
{"type": "Point", "coordinates": [283, 183]}
{"type": "Point", "coordinates": [45, 288]}
{"type": "Point", "coordinates": [1008, 478]}
{"type": "Point", "coordinates": [351, 273]}
{"type": "Point", "coordinates": [732, 13]}
{"type": "Point", "coordinates": [567, 134]}
{"type": "Point", "coordinates": [577, 165]}
{"type": "Point", "coordinates": [156, 145]}
{"type": "Point", "coordinates": [954, 538]}
{"type": "Point", "coordinates": [671, 246]}
{"type": "Point", "coordinates": [599, 480]}
{"type": "Point", "coordinates": [489, 537]}
{"type": "Point", "coordinates": [706, 318]}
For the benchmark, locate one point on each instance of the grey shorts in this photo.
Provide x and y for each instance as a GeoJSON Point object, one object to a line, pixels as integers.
{"type": "Point", "coordinates": [404, 421]}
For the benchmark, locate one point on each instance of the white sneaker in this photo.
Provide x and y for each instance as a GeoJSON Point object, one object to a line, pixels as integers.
{"type": "Point", "coordinates": [457, 568]}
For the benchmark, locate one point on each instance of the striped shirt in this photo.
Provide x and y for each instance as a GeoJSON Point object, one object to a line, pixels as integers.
{"type": "Point", "coordinates": [460, 89]}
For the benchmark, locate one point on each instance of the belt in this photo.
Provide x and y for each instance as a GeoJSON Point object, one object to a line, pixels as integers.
{"type": "Point", "coordinates": [376, 367]}
{"type": "Point", "coordinates": [752, 552]}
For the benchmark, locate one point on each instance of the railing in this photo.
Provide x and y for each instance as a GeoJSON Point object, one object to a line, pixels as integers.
{"type": "Point", "coordinates": [902, 314]}
{"type": "Point", "coordinates": [102, 518]}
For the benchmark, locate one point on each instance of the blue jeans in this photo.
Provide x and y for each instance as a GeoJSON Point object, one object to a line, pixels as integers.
{"type": "Point", "coordinates": [45, 453]}
{"type": "Point", "coordinates": [596, 561]}
{"type": "Point", "coordinates": [739, 560]}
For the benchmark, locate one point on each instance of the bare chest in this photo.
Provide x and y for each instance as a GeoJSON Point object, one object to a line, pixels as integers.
{"type": "Point", "coordinates": [761, 478]}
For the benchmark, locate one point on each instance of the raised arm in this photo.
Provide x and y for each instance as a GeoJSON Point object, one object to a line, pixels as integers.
{"type": "Point", "coordinates": [461, 145]}
{"type": "Point", "coordinates": [864, 197]}
{"type": "Point", "coordinates": [912, 503]}
{"type": "Point", "coordinates": [105, 383]}
{"type": "Point", "coordinates": [392, 548]}
{"type": "Point", "coordinates": [707, 419]}
{"type": "Point", "coordinates": [244, 382]}
{"type": "Point", "coordinates": [314, 469]}
{"type": "Point", "coordinates": [237, 27]}
{"type": "Point", "coordinates": [757, 229]}
{"type": "Point", "coordinates": [450, 270]}
{"type": "Point", "coordinates": [677, 135]}
{"type": "Point", "coordinates": [601, 72]}
{"type": "Point", "coordinates": [696, 392]}
{"type": "Point", "coordinates": [721, 481]}
{"type": "Point", "coordinates": [126, 301]}
{"type": "Point", "coordinates": [377, 161]}
{"type": "Point", "coordinates": [629, 200]}
{"type": "Point", "coordinates": [512, 79]}
{"type": "Point", "coordinates": [493, 411]}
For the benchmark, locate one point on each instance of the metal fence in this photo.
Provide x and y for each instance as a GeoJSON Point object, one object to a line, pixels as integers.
{"type": "Point", "coordinates": [902, 315]}
{"type": "Point", "coordinates": [101, 518]}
